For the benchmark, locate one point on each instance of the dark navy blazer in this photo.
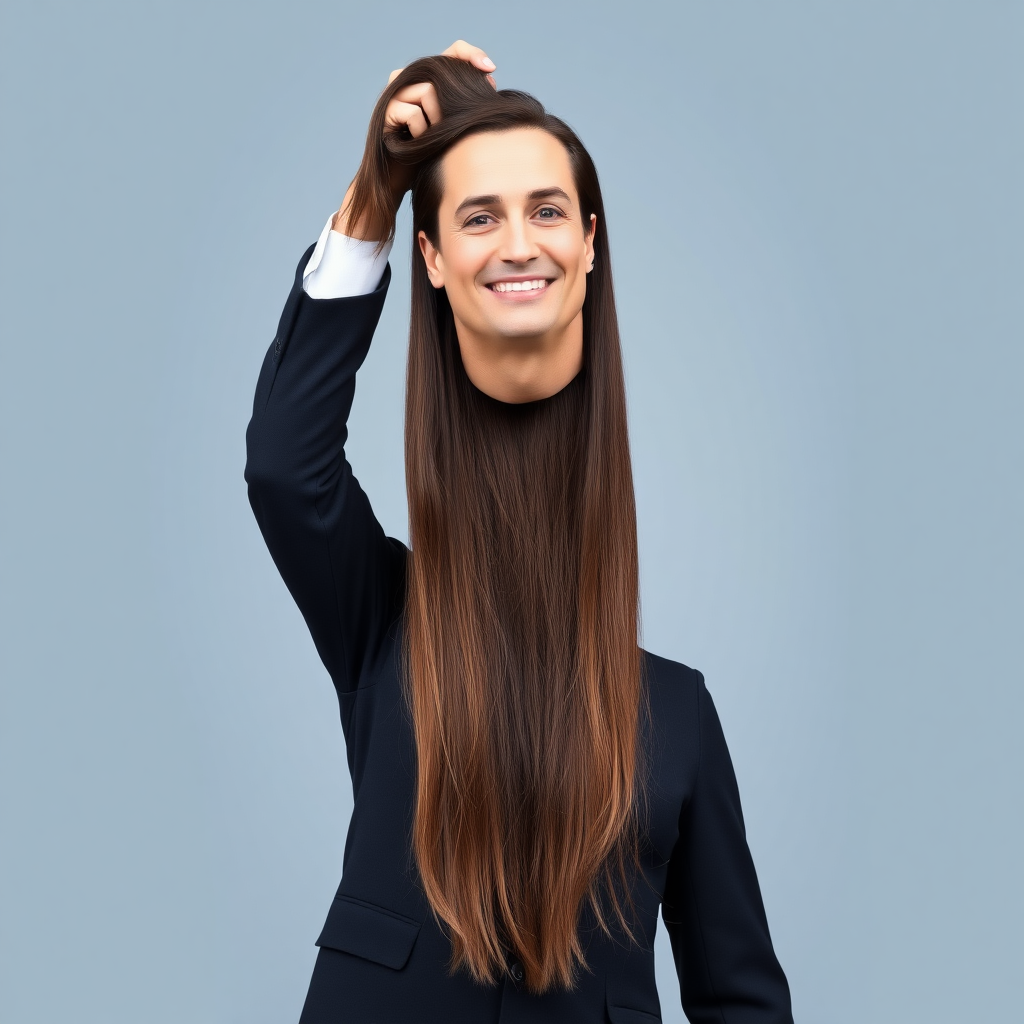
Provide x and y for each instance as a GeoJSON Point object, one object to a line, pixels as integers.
{"type": "Point", "coordinates": [383, 958]}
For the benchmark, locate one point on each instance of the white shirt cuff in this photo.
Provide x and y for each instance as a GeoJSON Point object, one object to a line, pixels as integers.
{"type": "Point", "coordinates": [341, 266]}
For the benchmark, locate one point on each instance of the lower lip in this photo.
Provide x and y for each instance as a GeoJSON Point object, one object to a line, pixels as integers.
{"type": "Point", "coordinates": [534, 293]}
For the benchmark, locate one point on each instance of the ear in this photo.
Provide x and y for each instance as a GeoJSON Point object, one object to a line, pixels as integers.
{"type": "Point", "coordinates": [588, 242]}
{"type": "Point", "coordinates": [432, 259]}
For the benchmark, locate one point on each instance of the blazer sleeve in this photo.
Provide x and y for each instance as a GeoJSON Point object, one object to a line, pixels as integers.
{"type": "Point", "coordinates": [346, 576]}
{"type": "Point", "coordinates": [712, 906]}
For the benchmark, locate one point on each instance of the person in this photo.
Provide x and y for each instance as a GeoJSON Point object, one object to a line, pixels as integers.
{"type": "Point", "coordinates": [530, 785]}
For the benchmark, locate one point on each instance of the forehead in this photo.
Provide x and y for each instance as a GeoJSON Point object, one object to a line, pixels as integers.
{"type": "Point", "coordinates": [508, 164]}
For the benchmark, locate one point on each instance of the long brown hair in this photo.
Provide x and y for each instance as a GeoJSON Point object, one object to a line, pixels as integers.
{"type": "Point", "coordinates": [522, 664]}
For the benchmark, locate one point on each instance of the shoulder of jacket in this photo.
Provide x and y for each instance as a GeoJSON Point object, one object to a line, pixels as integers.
{"type": "Point", "coordinates": [675, 689]}
{"type": "Point", "coordinates": [666, 672]}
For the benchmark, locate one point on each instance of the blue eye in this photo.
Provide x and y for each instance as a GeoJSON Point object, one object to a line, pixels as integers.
{"type": "Point", "coordinates": [551, 210]}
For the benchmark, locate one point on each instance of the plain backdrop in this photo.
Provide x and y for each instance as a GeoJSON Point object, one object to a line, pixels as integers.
{"type": "Point", "coordinates": [816, 216]}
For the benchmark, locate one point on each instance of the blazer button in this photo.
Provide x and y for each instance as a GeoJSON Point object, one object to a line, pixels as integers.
{"type": "Point", "coordinates": [516, 970]}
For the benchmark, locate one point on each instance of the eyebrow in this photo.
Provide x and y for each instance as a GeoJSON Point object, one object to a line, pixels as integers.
{"type": "Point", "coordinates": [495, 200]}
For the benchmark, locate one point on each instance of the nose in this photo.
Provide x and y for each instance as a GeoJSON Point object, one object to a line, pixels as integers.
{"type": "Point", "coordinates": [517, 243]}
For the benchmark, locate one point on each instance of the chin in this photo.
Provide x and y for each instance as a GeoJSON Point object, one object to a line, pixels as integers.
{"type": "Point", "coordinates": [524, 327]}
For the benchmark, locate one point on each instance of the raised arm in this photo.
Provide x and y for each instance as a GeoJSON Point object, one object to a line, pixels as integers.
{"type": "Point", "coordinates": [346, 576]}
{"type": "Point", "coordinates": [712, 907]}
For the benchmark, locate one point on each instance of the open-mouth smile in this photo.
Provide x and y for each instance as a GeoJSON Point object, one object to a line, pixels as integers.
{"type": "Point", "coordinates": [518, 291]}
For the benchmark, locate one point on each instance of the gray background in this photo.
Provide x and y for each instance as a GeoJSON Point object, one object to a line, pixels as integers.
{"type": "Point", "coordinates": [817, 224]}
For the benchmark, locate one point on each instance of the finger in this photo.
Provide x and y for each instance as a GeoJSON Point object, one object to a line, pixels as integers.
{"type": "Point", "coordinates": [490, 78]}
{"type": "Point", "coordinates": [394, 74]}
{"type": "Point", "coordinates": [408, 114]}
{"type": "Point", "coordinates": [466, 51]}
{"type": "Point", "coordinates": [425, 95]}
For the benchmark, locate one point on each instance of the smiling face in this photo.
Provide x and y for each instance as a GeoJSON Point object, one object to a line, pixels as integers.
{"type": "Point", "coordinates": [513, 253]}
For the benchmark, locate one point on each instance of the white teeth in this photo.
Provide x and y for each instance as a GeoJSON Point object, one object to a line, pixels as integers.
{"type": "Point", "coordinates": [518, 286]}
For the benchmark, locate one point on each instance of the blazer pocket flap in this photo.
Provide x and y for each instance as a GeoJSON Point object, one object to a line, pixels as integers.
{"type": "Point", "coordinates": [371, 932]}
{"type": "Point", "coordinates": [627, 1015]}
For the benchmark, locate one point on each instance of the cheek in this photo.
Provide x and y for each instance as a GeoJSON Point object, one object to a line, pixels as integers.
{"type": "Point", "coordinates": [576, 270]}
{"type": "Point", "coordinates": [573, 259]}
{"type": "Point", "coordinates": [463, 266]}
